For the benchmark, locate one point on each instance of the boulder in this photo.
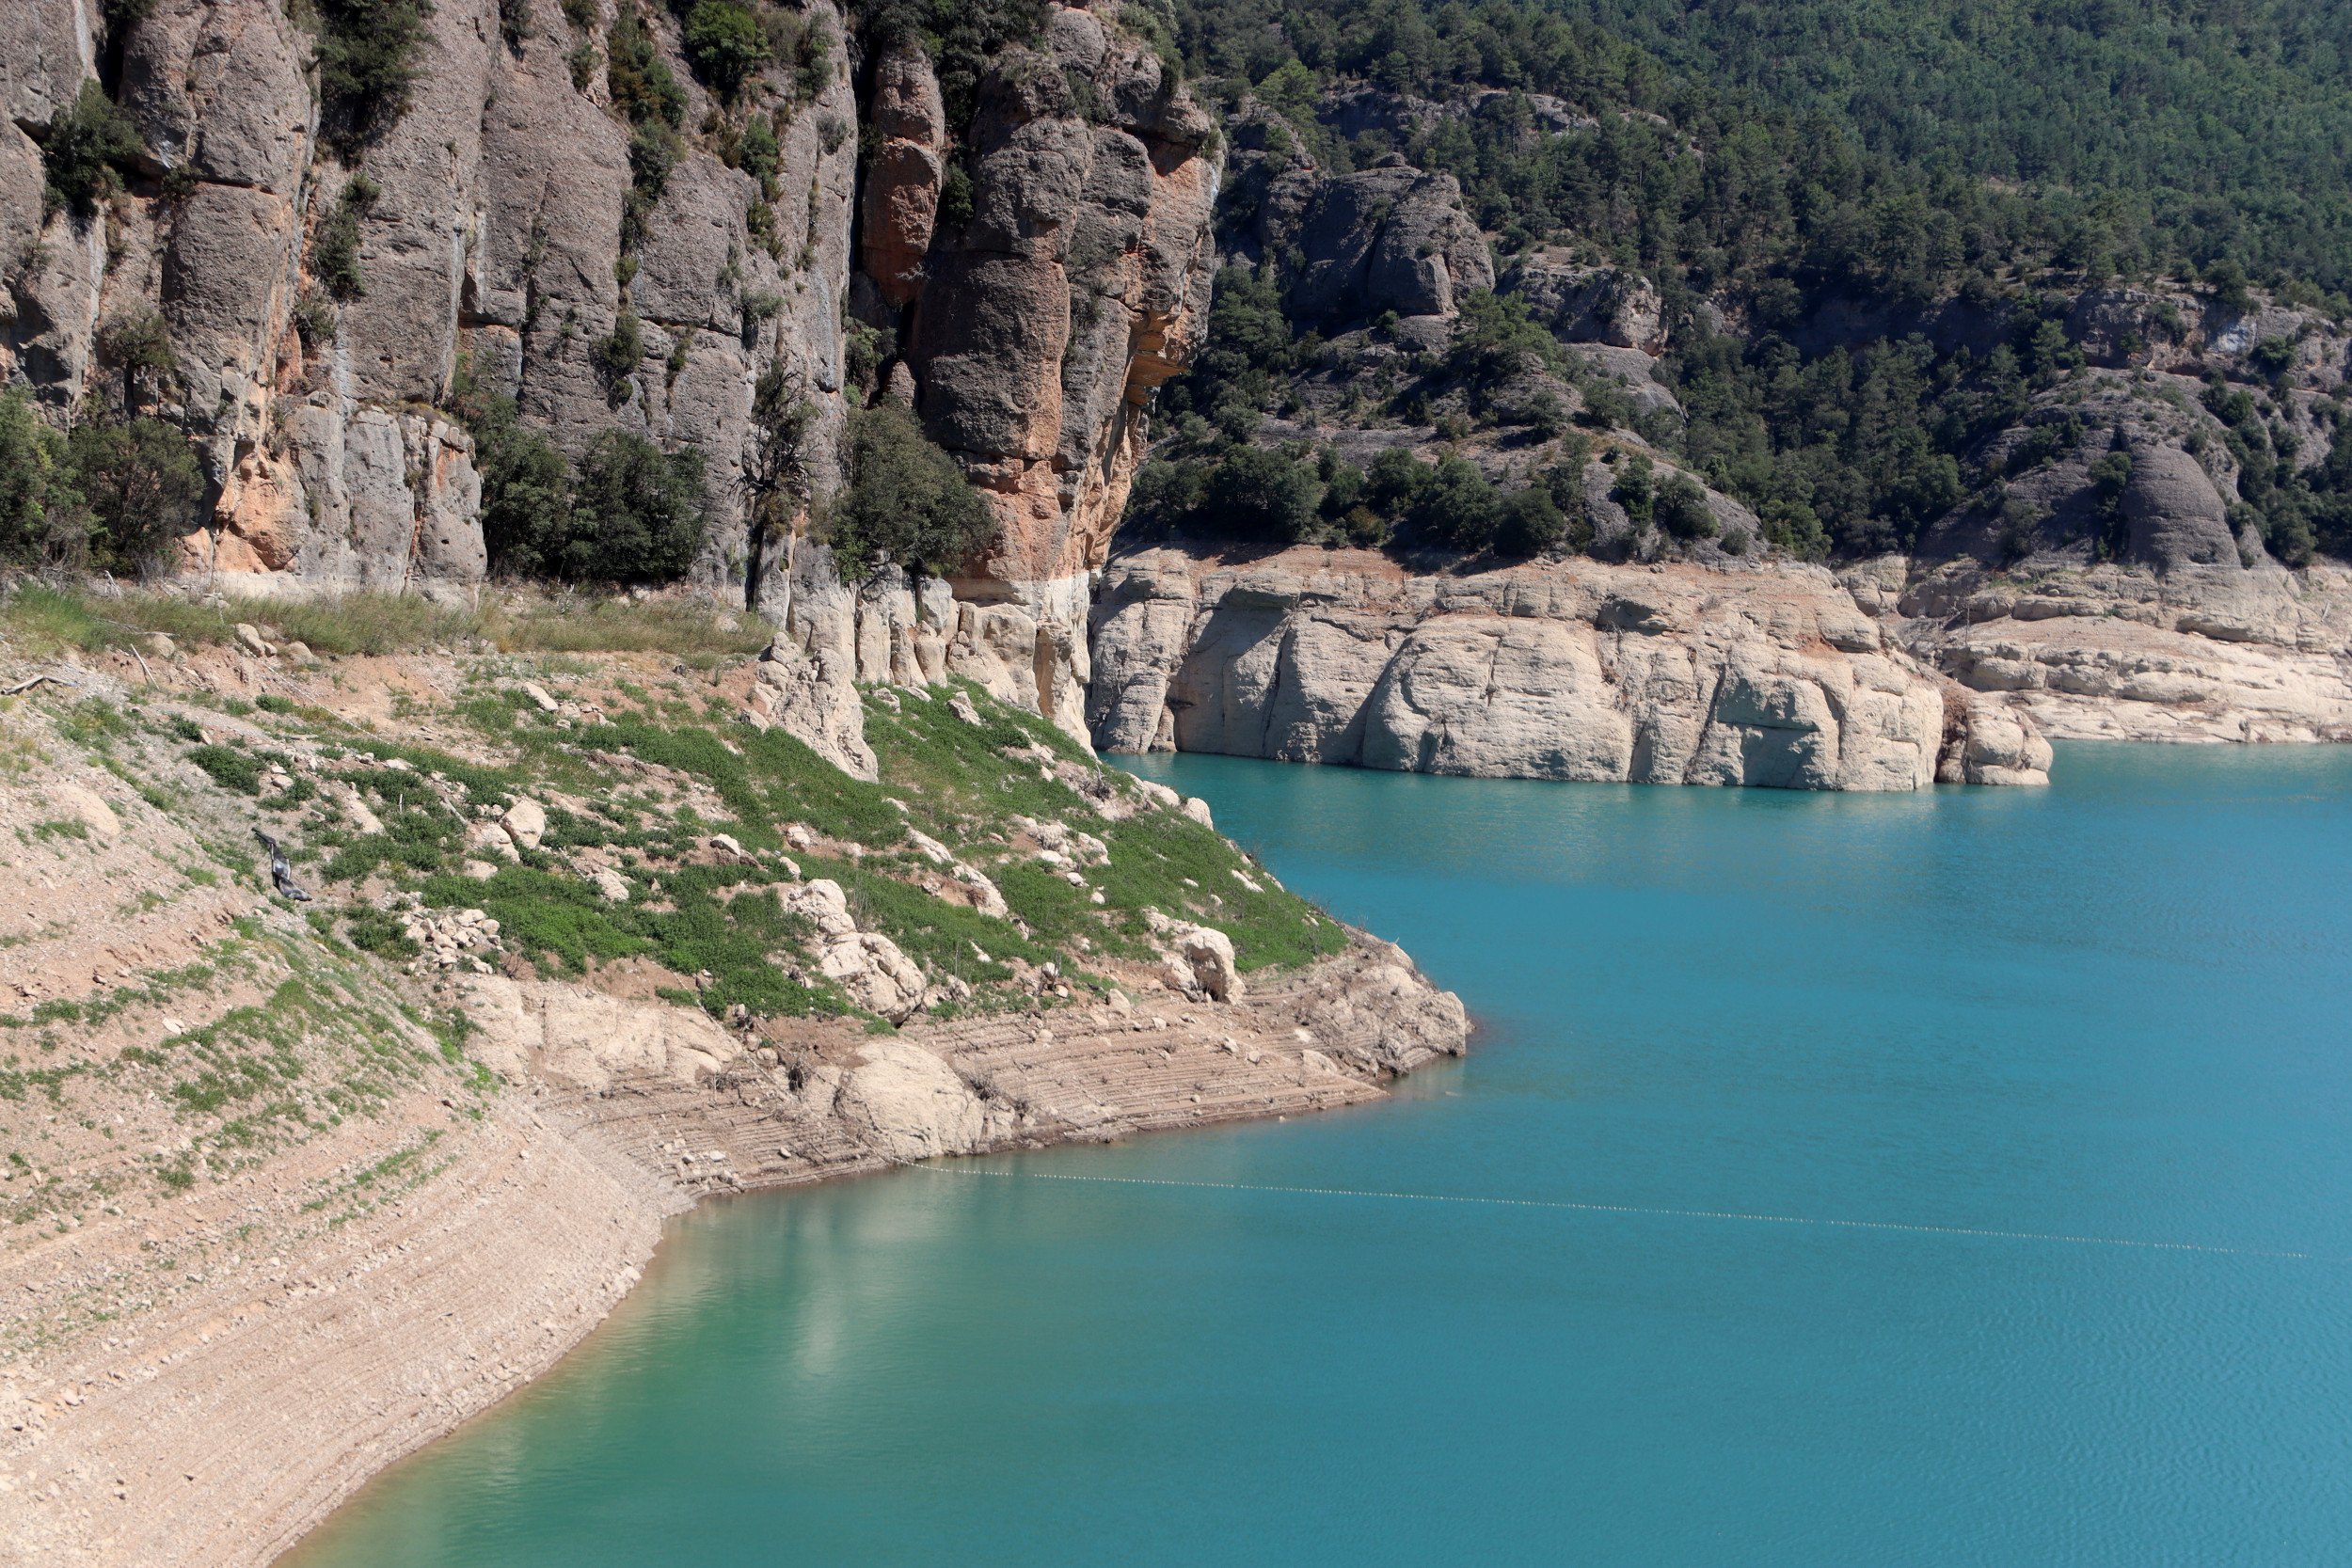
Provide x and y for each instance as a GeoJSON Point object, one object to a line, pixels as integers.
{"type": "Point", "coordinates": [814, 699]}
{"type": "Point", "coordinates": [905, 1103]}
{"type": "Point", "coordinates": [1203, 963]}
{"type": "Point", "coordinates": [526, 822]}
{"type": "Point", "coordinates": [874, 974]}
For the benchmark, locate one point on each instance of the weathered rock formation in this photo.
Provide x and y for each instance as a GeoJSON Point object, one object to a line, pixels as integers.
{"type": "Point", "coordinates": [509, 239]}
{"type": "Point", "coordinates": [2119, 652]}
{"type": "Point", "coordinates": [1078, 283]}
{"type": "Point", "coordinates": [1571, 671]}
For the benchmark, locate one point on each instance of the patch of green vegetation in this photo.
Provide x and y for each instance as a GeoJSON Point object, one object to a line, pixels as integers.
{"type": "Point", "coordinates": [939, 936]}
{"type": "Point", "coordinates": [15, 1081]}
{"type": "Point", "coordinates": [422, 838]}
{"type": "Point", "coordinates": [377, 932]}
{"type": "Point", "coordinates": [1166, 861]}
{"type": "Point", "coordinates": [228, 767]}
{"type": "Point", "coordinates": [248, 1050]}
{"type": "Point", "coordinates": [85, 149]}
{"type": "Point", "coordinates": [367, 62]}
{"type": "Point", "coordinates": [906, 501]}
{"type": "Point", "coordinates": [335, 252]}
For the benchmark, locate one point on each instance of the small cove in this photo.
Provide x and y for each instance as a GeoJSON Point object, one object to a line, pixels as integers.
{"type": "Point", "coordinates": [2116, 1008]}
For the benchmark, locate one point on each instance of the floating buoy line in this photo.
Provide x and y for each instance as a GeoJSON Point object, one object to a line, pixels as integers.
{"type": "Point", "coordinates": [1647, 1211]}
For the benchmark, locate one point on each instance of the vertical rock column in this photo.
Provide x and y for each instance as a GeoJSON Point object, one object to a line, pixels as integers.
{"type": "Point", "coordinates": [1078, 283]}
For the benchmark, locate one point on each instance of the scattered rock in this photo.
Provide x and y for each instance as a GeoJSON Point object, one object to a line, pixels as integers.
{"type": "Point", "coordinates": [493, 839]}
{"type": "Point", "coordinates": [526, 822]}
{"type": "Point", "coordinates": [1203, 963]}
{"type": "Point", "coordinates": [540, 697]}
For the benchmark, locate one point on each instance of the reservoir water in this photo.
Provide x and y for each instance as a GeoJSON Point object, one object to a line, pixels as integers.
{"type": "Point", "coordinates": [2012, 1026]}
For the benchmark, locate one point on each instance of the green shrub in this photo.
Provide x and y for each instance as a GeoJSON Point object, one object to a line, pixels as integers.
{"type": "Point", "coordinates": [726, 44]}
{"type": "Point", "coordinates": [86, 148]}
{"type": "Point", "coordinates": [1458, 506]}
{"type": "Point", "coordinates": [314, 319]}
{"type": "Point", "coordinates": [906, 503]}
{"type": "Point", "coordinates": [526, 490]}
{"type": "Point", "coordinates": [143, 486]}
{"type": "Point", "coordinates": [335, 251]}
{"type": "Point", "coordinates": [756, 153]}
{"type": "Point", "coordinates": [1257, 494]}
{"type": "Point", "coordinates": [1636, 489]}
{"type": "Point", "coordinates": [229, 768]}
{"type": "Point", "coordinates": [618, 354]}
{"type": "Point", "coordinates": [1531, 523]}
{"type": "Point", "coordinates": [637, 513]}
{"type": "Point", "coordinates": [377, 932]}
{"type": "Point", "coordinates": [139, 346]}
{"type": "Point", "coordinates": [955, 198]}
{"type": "Point", "coordinates": [38, 504]}
{"type": "Point", "coordinates": [367, 60]}
{"type": "Point", "coordinates": [1682, 510]}
{"type": "Point", "coordinates": [637, 76]}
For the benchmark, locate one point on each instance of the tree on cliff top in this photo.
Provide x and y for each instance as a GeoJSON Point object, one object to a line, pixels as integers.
{"type": "Point", "coordinates": [906, 503]}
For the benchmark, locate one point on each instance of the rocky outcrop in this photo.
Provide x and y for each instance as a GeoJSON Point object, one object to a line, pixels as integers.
{"type": "Point", "coordinates": [1079, 283]}
{"type": "Point", "coordinates": [1581, 303]}
{"type": "Point", "coordinates": [1577, 670]}
{"type": "Point", "coordinates": [2126, 652]}
{"type": "Point", "coordinates": [503, 228]}
{"type": "Point", "coordinates": [901, 205]}
{"type": "Point", "coordinates": [1387, 238]}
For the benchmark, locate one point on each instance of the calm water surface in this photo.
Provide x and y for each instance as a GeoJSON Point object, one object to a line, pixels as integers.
{"type": "Point", "coordinates": [2121, 1008]}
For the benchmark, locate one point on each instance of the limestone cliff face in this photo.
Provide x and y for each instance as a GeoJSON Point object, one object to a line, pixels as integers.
{"type": "Point", "coordinates": [1577, 670]}
{"type": "Point", "coordinates": [496, 239]}
{"type": "Point", "coordinates": [2118, 652]}
{"type": "Point", "coordinates": [1078, 283]}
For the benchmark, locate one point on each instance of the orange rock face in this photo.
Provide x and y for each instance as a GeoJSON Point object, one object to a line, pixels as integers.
{"type": "Point", "coordinates": [901, 204]}
{"type": "Point", "coordinates": [1077, 285]}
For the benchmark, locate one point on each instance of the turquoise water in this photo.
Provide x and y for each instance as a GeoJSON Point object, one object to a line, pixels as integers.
{"type": "Point", "coordinates": [2118, 1008]}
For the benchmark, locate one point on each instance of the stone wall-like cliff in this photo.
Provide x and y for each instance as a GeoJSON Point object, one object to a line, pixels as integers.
{"type": "Point", "coordinates": [512, 230]}
{"type": "Point", "coordinates": [1575, 670]}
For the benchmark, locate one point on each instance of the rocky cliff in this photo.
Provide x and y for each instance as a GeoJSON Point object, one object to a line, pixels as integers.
{"type": "Point", "coordinates": [1583, 670]}
{"type": "Point", "coordinates": [527, 226]}
{"type": "Point", "coordinates": [2203, 653]}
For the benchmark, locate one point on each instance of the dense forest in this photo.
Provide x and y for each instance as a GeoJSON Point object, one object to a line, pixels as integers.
{"type": "Point", "coordinates": [1906, 156]}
